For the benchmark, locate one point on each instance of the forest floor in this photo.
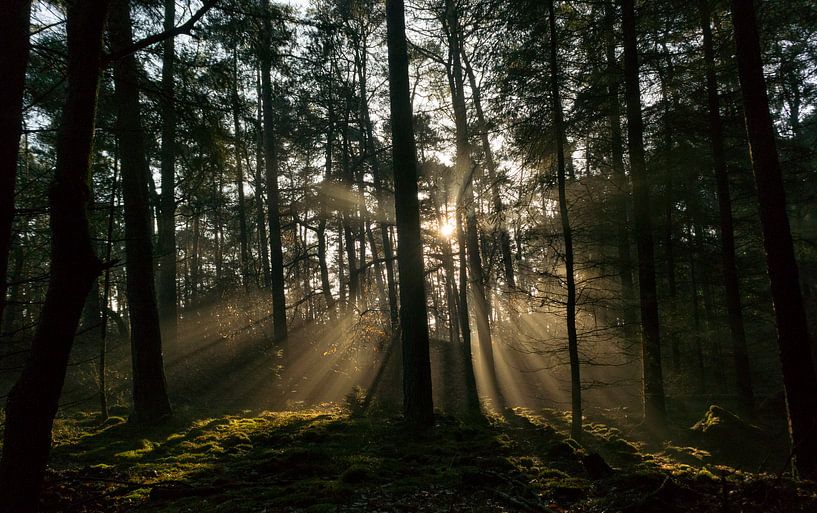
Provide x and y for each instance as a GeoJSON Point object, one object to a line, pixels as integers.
{"type": "Point", "coordinates": [325, 459]}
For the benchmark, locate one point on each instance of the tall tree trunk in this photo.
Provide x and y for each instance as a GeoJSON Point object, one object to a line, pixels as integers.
{"type": "Point", "coordinates": [417, 402]}
{"type": "Point", "coordinates": [348, 232]}
{"type": "Point", "coordinates": [621, 193]}
{"type": "Point", "coordinates": [730, 271]}
{"type": "Point", "coordinates": [106, 291]}
{"type": "Point", "coordinates": [500, 230]}
{"type": "Point", "coordinates": [14, 25]}
{"type": "Point", "coordinates": [243, 231]}
{"type": "Point", "coordinates": [323, 214]}
{"type": "Point", "coordinates": [465, 172]}
{"type": "Point", "coordinates": [669, 210]}
{"type": "Point", "coordinates": [260, 221]}
{"type": "Point", "coordinates": [572, 338]}
{"type": "Point", "coordinates": [799, 377]}
{"type": "Point", "coordinates": [279, 318]}
{"type": "Point", "coordinates": [168, 302]}
{"type": "Point", "coordinates": [195, 258]}
{"type": "Point", "coordinates": [33, 401]}
{"type": "Point", "coordinates": [371, 150]}
{"type": "Point", "coordinates": [341, 265]}
{"type": "Point", "coordinates": [465, 320]}
{"type": "Point", "coordinates": [653, 383]}
{"type": "Point", "coordinates": [150, 401]}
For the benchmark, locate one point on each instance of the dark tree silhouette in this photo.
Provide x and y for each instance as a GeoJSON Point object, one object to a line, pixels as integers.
{"type": "Point", "coordinates": [13, 60]}
{"type": "Point", "coordinates": [793, 340]}
{"type": "Point", "coordinates": [32, 402]}
{"type": "Point", "coordinates": [653, 385]}
{"type": "Point", "coordinates": [413, 317]}
{"type": "Point", "coordinates": [567, 233]}
{"type": "Point", "coordinates": [150, 401]}
{"type": "Point", "coordinates": [279, 315]}
{"type": "Point", "coordinates": [730, 271]}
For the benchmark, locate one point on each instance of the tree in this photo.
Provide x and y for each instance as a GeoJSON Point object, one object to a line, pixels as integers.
{"type": "Point", "coordinates": [727, 232]}
{"type": "Point", "coordinates": [32, 402]}
{"type": "Point", "coordinates": [150, 401]}
{"type": "Point", "coordinates": [13, 61]}
{"type": "Point", "coordinates": [466, 200]}
{"type": "Point", "coordinates": [653, 385]}
{"type": "Point", "coordinates": [168, 304]}
{"type": "Point", "coordinates": [567, 233]}
{"type": "Point", "coordinates": [279, 318]}
{"type": "Point", "coordinates": [417, 401]}
{"type": "Point", "coordinates": [799, 378]}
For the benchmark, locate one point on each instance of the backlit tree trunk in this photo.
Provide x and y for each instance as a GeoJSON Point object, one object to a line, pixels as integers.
{"type": "Point", "coordinates": [168, 301]}
{"type": "Point", "coordinates": [14, 23]}
{"type": "Point", "coordinates": [799, 377]}
{"type": "Point", "coordinates": [417, 401]}
{"type": "Point", "coordinates": [567, 234]}
{"type": "Point", "coordinates": [730, 271]}
{"type": "Point", "coordinates": [653, 384]}
{"type": "Point", "coordinates": [32, 402]}
{"type": "Point", "coordinates": [150, 401]}
{"type": "Point", "coordinates": [279, 318]}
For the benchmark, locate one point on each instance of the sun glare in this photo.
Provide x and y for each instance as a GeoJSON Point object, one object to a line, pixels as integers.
{"type": "Point", "coordinates": [447, 229]}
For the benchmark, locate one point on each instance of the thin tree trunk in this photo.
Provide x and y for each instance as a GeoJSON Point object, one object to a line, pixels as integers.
{"type": "Point", "coordinates": [150, 401]}
{"type": "Point", "coordinates": [465, 172]}
{"type": "Point", "coordinates": [260, 221]}
{"type": "Point", "coordinates": [167, 294]}
{"type": "Point", "coordinates": [33, 401]}
{"type": "Point", "coordinates": [243, 231]}
{"type": "Point", "coordinates": [14, 26]}
{"type": "Point", "coordinates": [621, 183]}
{"type": "Point", "coordinates": [279, 319]}
{"type": "Point", "coordinates": [730, 272]}
{"type": "Point", "coordinates": [106, 291]}
{"type": "Point", "coordinates": [465, 320]}
{"type": "Point", "coordinates": [371, 149]}
{"type": "Point", "coordinates": [500, 231]}
{"type": "Point", "coordinates": [348, 233]}
{"type": "Point", "coordinates": [323, 214]}
{"type": "Point", "coordinates": [653, 383]}
{"type": "Point", "coordinates": [417, 402]}
{"type": "Point", "coordinates": [567, 233]}
{"type": "Point", "coordinates": [799, 377]}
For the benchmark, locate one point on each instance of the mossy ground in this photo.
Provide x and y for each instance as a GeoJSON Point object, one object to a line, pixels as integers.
{"type": "Point", "coordinates": [323, 459]}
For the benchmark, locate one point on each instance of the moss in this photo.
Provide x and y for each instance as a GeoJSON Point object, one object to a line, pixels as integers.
{"type": "Point", "coordinates": [326, 460]}
{"type": "Point", "coordinates": [356, 474]}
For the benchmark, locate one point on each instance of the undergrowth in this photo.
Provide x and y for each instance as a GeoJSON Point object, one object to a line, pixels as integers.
{"type": "Point", "coordinates": [325, 459]}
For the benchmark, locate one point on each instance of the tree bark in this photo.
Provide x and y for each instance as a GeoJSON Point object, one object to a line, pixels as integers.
{"type": "Point", "coordinates": [500, 231]}
{"type": "Point", "coordinates": [260, 222]}
{"type": "Point", "coordinates": [14, 26]}
{"type": "Point", "coordinates": [33, 401]}
{"type": "Point", "coordinates": [243, 231]}
{"type": "Point", "coordinates": [465, 170]}
{"type": "Point", "coordinates": [150, 401]}
{"type": "Point", "coordinates": [621, 184]}
{"type": "Point", "coordinates": [730, 271]}
{"type": "Point", "coordinates": [417, 402]}
{"type": "Point", "coordinates": [168, 303]}
{"type": "Point", "coordinates": [799, 377]}
{"type": "Point", "coordinates": [371, 150]}
{"type": "Point", "coordinates": [653, 385]}
{"type": "Point", "coordinates": [567, 234]}
{"type": "Point", "coordinates": [279, 319]}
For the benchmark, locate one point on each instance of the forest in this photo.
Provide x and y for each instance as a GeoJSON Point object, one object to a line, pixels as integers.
{"type": "Point", "coordinates": [408, 256]}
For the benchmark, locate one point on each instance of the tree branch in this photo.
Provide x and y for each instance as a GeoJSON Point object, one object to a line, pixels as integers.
{"type": "Point", "coordinates": [184, 28]}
